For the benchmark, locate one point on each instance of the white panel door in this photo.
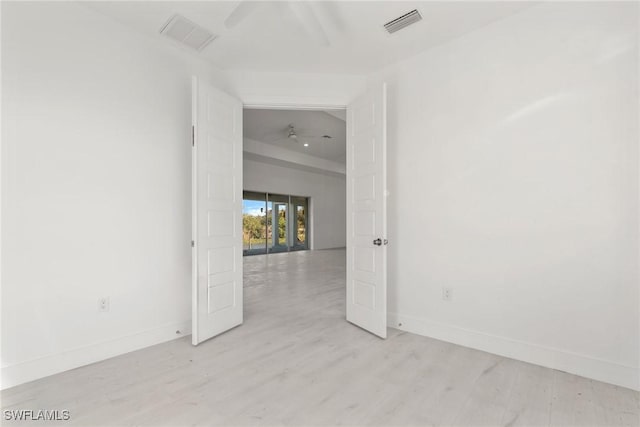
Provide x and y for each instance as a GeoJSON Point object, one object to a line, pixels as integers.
{"type": "Point", "coordinates": [217, 206]}
{"type": "Point", "coordinates": [367, 211]}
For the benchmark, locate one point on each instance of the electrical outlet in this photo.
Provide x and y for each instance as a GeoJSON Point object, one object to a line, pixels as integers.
{"type": "Point", "coordinates": [103, 304]}
{"type": "Point", "coordinates": [447, 293]}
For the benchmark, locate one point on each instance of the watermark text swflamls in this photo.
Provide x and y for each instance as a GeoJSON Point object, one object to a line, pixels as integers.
{"type": "Point", "coordinates": [36, 415]}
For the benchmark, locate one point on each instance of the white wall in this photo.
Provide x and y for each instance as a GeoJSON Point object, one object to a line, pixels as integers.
{"type": "Point", "coordinates": [514, 181]}
{"type": "Point", "coordinates": [95, 189]}
{"type": "Point", "coordinates": [293, 90]}
{"type": "Point", "coordinates": [514, 147]}
{"type": "Point", "coordinates": [327, 193]}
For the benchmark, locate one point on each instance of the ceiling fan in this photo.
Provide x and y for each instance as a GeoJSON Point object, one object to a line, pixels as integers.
{"type": "Point", "coordinates": [302, 10]}
{"type": "Point", "coordinates": [291, 134]}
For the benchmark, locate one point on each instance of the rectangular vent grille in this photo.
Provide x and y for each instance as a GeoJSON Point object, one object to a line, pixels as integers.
{"type": "Point", "coordinates": [403, 21]}
{"type": "Point", "coordinates": [187, 33]}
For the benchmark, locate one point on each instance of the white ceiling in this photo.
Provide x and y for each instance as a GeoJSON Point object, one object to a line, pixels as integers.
{"type": "Point", "coordinates": [271, 127]}
{"type": "Point", "coordinates": [272, 39]}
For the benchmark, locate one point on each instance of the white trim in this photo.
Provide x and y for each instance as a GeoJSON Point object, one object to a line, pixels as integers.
{"type": "Point", "coordinates": [41, 367]}
{"type": "Point", "coordinates": [638, 229]}
{"type": "Point", "coordinates": [194, 211]}
{"type": "Point", "coordinates": [578, 364]}
{"type": "Point", "coordinates": [312, 107]}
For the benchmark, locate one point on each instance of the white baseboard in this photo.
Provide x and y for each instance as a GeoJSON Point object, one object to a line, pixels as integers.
{"type": "Point", "coordinates": [41, 367]}
{"type": "Point", "coordinates": [585, 366]}
{"type": "Point", "coordinates": [578, 364]}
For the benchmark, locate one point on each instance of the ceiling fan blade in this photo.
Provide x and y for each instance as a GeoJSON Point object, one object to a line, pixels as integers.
{"type": "Point", "coordinates": [272, 137]}
{"type": "Point", "coordinates": [310, 22]}
{"type": "Point", "coordinates": [244, 9]}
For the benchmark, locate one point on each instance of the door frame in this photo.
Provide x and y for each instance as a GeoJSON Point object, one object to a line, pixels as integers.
{"type": "Point", "coordinates": [304, 106]}
{"type": "Point", "coordinates": [294, 106]}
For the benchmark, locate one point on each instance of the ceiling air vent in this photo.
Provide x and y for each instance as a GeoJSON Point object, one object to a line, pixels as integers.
{"type": "Point", "coordinates": [186, 32]}
{"type": "Point", "coordinates": [403, 21]}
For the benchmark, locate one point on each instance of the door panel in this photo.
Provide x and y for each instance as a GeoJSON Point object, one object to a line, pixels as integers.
{"type": "Point", "coordinates": [277, 210]}
{"type": "Point", "coordinates": [299, 223]}
{"type": "Point", "coordinates": [217, 202]}
{"type": "Point", "coordinates": [366, 212]}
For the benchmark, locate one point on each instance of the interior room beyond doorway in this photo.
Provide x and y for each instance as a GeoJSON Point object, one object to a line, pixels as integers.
{"type": "Point", "coordinates": [294, 180]}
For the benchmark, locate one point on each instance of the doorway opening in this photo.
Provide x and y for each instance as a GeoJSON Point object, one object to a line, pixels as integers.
{"type": "Point", "coordinates": [294, 212]}
{"type": "Point", "coordinates": [346, 208]}
{"type": "Point", "coordinates": [294, 180]}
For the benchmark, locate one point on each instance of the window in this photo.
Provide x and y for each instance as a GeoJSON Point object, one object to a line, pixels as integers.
{"type": "Point", "coordinates": [274, 223]}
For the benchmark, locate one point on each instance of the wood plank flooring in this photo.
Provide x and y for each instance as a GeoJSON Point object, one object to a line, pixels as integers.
{"type": "Point", "coordinates": [296, 361]}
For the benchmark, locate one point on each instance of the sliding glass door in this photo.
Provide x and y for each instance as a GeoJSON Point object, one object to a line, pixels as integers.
{"type": "Point", "coordinates": [254, 223]}
{"type": "Point", "coordinates": [278, 234]}
{"type": "Point", "coordinates": [274, 223]}
{"type": "Point", "coordinates": [299, 209]}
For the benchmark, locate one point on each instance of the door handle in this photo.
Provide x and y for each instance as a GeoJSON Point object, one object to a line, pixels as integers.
{"type": "Point", "coordinates": [377, 242]}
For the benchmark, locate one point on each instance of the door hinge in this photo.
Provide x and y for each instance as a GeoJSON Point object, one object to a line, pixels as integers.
{"type": "Point", "coordinates": [193, 244]}
{"type": "Point", "coordinates": [193, 136]}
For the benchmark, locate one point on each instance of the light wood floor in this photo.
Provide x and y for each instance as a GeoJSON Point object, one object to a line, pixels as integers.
{"type": "Point", "coordinates": [296, 361]}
